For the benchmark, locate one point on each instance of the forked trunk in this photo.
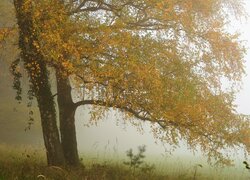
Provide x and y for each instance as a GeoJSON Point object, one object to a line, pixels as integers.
{"type": "Point", "coordinates": [36, 67]}
{"type": "Point", "coordinates": [49, 127]}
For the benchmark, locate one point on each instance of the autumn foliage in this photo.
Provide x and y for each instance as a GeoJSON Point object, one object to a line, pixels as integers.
{"type": "Point", "coordinates": [161, 61]}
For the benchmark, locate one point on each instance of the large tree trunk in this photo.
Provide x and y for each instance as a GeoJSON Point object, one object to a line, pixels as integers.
{"type": "Point", "coordinates": [36, 67]}
{"type": "Point", "coordinates": [50, 131]}
{"type": "Point", "coordinates": [67, 120]}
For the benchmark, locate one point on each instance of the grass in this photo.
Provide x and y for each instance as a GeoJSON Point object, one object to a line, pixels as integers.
{"type": "Point", "coordinates": [29, 163]}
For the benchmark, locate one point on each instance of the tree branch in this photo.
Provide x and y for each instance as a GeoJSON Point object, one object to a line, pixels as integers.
{"type": "Point", "coordinates": [54, 95]}
{"type": "Point", "coordinates": [162, 123]}
{"type": "Point", "coordinates": [127, 109]}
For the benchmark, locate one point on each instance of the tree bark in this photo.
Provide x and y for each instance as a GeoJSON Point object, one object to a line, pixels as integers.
{"type": "Point", "coordinates": [67, 120]}
{"type": "Point", "coordinates": [35, 66]}
{"type": "Point", "coordinates": [49, 127]}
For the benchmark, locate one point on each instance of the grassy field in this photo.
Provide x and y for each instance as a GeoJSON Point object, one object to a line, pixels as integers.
{"type": "Point", "coordinates": [28, 163]}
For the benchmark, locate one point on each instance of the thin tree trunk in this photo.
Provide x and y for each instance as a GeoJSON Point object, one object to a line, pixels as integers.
{"type": "Point", "coordinates": [36, 67]}
{"type": "Point", "coordinates": [67, 120]}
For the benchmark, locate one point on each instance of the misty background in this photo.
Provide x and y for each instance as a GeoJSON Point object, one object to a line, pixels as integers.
{"type": "Point", "coordinates": [109, 137]}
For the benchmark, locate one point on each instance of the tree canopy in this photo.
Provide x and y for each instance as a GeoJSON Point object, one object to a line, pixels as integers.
{"type": "Point", "coordinates": [156, 60]}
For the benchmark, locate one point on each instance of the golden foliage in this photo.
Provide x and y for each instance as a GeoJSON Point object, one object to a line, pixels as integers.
{"type": "Point", "coordinates": [161, 61]}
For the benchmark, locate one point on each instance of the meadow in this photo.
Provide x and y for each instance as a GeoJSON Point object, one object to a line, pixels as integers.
{"type": "Point", "coordinates": [28, 163]}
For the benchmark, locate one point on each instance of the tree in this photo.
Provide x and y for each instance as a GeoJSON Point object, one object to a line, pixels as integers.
{"type": "Point", "coordinates": [159, 61]}
{"type": "Point", "coordinates": [40, 86]}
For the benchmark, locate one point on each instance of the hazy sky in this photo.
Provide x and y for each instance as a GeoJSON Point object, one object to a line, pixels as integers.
{"type": "Point", "coordinates": [243, 98]}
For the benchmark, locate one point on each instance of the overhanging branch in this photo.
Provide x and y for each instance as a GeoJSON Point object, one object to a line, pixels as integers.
{"type": "Point", "coordinates": [136, 114]}
{"type": "Point", "coordinates": [162, 123]}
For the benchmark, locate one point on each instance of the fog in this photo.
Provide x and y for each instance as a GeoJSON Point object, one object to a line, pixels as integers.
{"type": "Point", "coordinates": [112, 132]}
{"type": "Point", "coordinates": [111, 136]}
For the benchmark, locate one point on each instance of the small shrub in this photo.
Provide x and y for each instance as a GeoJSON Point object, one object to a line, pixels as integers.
{"type": "Point", "coordinates": [136, 161]}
